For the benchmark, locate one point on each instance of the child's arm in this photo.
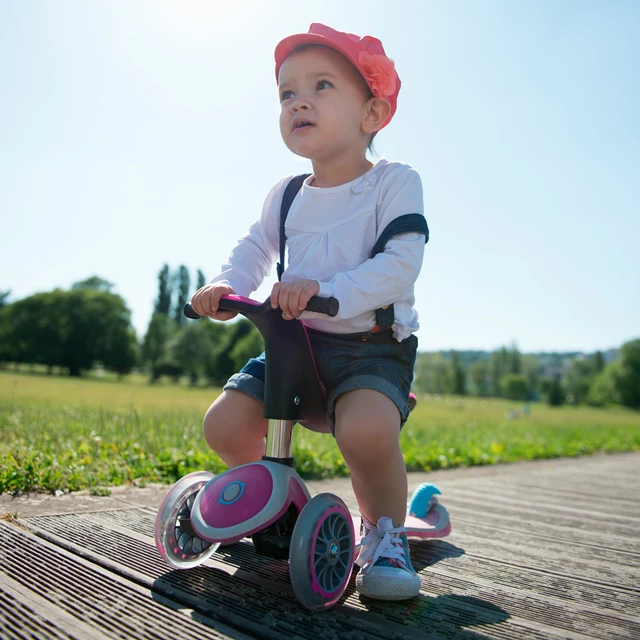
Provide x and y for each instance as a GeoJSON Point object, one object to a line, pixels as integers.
{"type": "Point", "coordinates": [390, 275]}
{"type": "Point", "coordinates": [380, 281]}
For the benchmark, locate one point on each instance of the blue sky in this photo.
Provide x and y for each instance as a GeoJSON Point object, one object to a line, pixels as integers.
{"type": "Point", "coordinates": [135, 133]}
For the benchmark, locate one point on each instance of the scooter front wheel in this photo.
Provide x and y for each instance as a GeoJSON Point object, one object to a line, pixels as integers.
{"type": "Point", "coordinates": [321, 552]}
{"type": "Point", "coordinates": [176, 540]}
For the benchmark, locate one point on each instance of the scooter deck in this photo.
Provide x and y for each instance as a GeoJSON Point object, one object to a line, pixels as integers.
{"type": "Point", "coordinates": [435, 525]}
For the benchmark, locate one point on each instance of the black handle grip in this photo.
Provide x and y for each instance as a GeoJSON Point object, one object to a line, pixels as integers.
{"type": "Point", "coordinates": [328, 306]}
{"type": "Point", "coordinates": [225, 304]}
{"type": "Point", "coordinates": [190, 313]}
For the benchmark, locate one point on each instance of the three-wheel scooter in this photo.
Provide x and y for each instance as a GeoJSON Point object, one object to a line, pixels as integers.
{"type": "Point", "coordinates": [268, 500]}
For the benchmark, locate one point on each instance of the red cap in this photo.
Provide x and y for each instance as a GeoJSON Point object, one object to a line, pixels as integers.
{"type": "Point", "coordinates": [365, 54]}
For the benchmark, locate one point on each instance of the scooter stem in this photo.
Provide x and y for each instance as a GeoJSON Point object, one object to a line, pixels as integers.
{"type": "Point", "coordinates": [279, 439]}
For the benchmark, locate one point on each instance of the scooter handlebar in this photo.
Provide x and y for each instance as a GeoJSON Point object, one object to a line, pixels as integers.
{"type": "Point", "coordinates": [317, 304]}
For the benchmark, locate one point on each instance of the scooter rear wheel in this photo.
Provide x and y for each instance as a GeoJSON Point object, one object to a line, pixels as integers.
{"type": "Point", "coordinates": [176, 540]}
{"type": "Point", "coordinates": [321, 552]}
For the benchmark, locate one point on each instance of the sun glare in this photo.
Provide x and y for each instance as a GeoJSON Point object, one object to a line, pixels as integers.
{"type": "Point", "coordinates": [202, 19]}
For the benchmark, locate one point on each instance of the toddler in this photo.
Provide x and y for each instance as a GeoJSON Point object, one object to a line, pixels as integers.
{"type": "Point", "coordinates": [355, 231]}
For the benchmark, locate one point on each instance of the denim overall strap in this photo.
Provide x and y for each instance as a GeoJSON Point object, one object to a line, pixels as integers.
{"type": "Point", "coordinates": [290, 192]}
{"type": "Point", "coordinates": [409, 223]}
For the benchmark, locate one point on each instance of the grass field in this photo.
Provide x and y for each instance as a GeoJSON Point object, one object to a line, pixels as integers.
{"type": "Point", "coordinates": [60, 434]}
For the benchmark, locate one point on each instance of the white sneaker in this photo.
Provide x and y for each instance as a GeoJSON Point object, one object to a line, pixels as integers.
{"type": "Point", "coordinates": [386, 572]}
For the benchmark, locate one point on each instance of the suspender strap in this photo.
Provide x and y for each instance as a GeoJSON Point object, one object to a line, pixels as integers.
{"type": "Point", "coordinates": [409, 223]}
{"type": "Point", "coordinates": [290, 192]}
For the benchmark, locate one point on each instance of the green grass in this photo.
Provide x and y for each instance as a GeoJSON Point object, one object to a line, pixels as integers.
{"type": "Point", "coordinates": [68, 434]}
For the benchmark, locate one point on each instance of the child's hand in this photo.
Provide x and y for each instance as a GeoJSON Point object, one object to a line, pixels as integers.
{"type": "Point", "coordinates": [292, 297]}
{"type": "Point", "coordinates": [205, 301]}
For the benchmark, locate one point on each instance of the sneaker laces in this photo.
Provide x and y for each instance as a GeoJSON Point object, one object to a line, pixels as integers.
{"type": "Point", "coordinates": [381, 541]}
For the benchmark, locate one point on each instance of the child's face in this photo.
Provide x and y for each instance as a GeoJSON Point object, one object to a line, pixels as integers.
{"type": "Point", "coordinates": [323, 105]}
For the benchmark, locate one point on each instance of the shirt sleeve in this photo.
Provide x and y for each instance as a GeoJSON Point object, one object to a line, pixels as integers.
{"type": "Point", "coordinates": [252, 258]}
{"type": "Point", "coordinates": [389, 276]}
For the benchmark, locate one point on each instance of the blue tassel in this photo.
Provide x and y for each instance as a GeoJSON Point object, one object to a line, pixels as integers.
{"type": "Point", "coordinates": [421, 499]}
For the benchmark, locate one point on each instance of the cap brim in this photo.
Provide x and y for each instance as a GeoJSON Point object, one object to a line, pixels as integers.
{"type": "Point", "coordinates": [286, 46]}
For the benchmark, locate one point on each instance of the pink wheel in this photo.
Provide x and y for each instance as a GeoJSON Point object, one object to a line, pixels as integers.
{"type": "Point", "coordinates": [321, 552]}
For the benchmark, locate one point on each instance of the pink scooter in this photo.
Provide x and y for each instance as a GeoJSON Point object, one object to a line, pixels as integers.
{"type": "Point", "coordinates": [268, 500]}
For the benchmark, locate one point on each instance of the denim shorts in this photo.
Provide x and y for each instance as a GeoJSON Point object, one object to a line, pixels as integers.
{"type": "Point", "coordinates": [346, 362]}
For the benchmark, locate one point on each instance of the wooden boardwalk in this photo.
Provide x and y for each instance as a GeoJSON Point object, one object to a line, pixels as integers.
{"type": "Point", "coordinates": [538, 550]}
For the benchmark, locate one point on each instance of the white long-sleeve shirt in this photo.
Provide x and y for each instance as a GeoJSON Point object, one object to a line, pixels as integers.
{"type": "Point", "coordinates": [330, 234]}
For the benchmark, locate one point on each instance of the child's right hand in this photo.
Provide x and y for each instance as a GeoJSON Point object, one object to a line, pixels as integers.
{"type": "Point", "coordinates": [205, 301]}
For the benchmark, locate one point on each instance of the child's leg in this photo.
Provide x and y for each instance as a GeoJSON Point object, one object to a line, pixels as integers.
{"type": "Point", "coordinates": [367, 426]}
{"type": "Point", "coordinates": [235, 429]}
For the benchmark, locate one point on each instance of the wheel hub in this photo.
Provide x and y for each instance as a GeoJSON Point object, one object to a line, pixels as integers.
{"type": "Point", "coordinates": [186, 537]}
{"type": "Point", "coordinates": [334, 552]}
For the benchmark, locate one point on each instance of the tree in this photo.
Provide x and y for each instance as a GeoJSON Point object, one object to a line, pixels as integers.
{"type": "Point", "coordinates": [500, 365]}
{"type": "Point", "coordinates": [250, 345]}
{"type": "Point", "coordinates": [556, 395]}
{"type": "Point", "coordinates": [603, 388]}
{"type": "Point", "coordinates": [627, 374]}
{"type": "Point", "coordinates": [160, 331]}
{"type": "Point", "coordinates": [72, 329]}
{"type": "Point", "coordinates": [457, 376]}
{"type": "Point", "coordinates": [531, 369]}
{"type": "Point", "coordinates": [163, 302]}
{"type": "Point", "coordinates": [515, 386]}
{"type": "Point", "coordinates": [232, 345]}
{"type": "Point", "coordinates": [200, 280]}
{"type": "Point", "coordinates": [96, 328]}
{"type": "Point", "coordinates": [30, 330]}
{"type": "Point", "coordinates": [431, 373]}
{"type": "Point", "coordinates": [184, 295]}
{"type": "Point", "coordinates": [218, 365]}
{"type": "Point", "coordinates": [479, 378]}
{"type": "Point", "coordinates": [515, 360]}
{"type": "Point", "coordinates": [4, 298]}
{"type": "Point", "coordinates": [191, 349]}
{"type": "Point", "coordinates": [598, 362]}
{"type": "Point", "coordinates": [168, 364]}
{"type": "Point", "coordinates": [579, 378]}
{"type": "Point", "coordinates": [94, 283]}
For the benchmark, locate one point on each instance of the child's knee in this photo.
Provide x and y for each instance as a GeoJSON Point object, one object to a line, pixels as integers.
{"type": "Point", "coordinates": [233, 421]}
{"type": "Point", "coordinates": [211, 425]}
{"type": "Point", "coordinates": [367, 426]}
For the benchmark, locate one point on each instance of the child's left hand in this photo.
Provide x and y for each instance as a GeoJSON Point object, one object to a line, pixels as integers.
{"type": "Point", "coordinates": [292, 297]}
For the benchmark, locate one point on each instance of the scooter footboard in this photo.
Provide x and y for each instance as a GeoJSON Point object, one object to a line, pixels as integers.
{"type": "Point", "coordinates": [245, 500]}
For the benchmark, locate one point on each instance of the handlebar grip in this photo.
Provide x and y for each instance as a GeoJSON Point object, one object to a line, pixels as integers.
{"type": "Point", "coordinates": [328, 306]}
{"type": "Point", "coordinates": [190, 313]}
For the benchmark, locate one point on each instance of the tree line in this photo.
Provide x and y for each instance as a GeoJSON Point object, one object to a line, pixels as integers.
{"type": "Point", "coordinates": [89, 325]}
{"type": "Point", "coordinates": [74, 330]}
{"type": "Point", "coordinates": [555, 378]}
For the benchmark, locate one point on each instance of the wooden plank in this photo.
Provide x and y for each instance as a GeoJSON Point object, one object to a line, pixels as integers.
{"type": "Point", "coordinates": [559, 494]}
{"type": "Point", "coordinates": [551, 515]}
{"type": "Point", "coordinates": [83, 601]}
{"type": "Point", "coordinates": [24, 615]}
{"type": "Point", "coordinates": [468, 518]}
